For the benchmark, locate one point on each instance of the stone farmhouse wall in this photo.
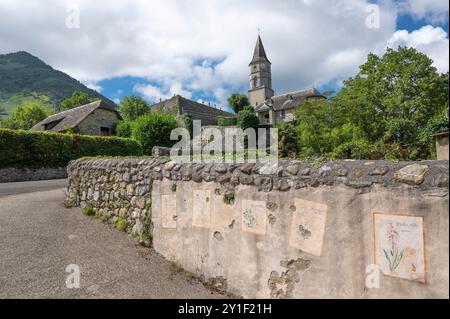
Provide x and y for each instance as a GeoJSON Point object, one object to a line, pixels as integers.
{"type": "Point", "coordinates": [298, 230]}
{"type": "Point", "coordinates": [11, 174]}
{"type": "Point", "coordinates": [99, 118]}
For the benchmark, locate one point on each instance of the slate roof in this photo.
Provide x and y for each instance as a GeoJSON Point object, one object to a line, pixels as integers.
{"type": "Point", "coordinates": [71, 118]}
{"type": "Point", "coordinates": [288, 101]}
{"type": "Point", "coordinates": [259, 55]}
{"type": "Point", "coordinates": [207, 114]}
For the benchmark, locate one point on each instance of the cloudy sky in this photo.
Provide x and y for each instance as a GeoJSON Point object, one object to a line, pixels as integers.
{"type": "Point", "coordinates": [201, 48]}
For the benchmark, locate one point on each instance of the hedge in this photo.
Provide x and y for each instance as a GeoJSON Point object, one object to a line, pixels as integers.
{"type": "Point", "coordinates": [21, 149]}
{"type": "Point", "coordinates": [226, 121]}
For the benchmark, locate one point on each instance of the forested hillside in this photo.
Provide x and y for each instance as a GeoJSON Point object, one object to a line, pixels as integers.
{"type": "Point", "coordinates": [24, 78]}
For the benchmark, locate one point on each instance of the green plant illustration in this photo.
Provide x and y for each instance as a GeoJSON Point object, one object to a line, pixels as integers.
{"type": "Point", "coordinates": [249, 219]}
{"type": "Point", "coordinates": [395, 255]}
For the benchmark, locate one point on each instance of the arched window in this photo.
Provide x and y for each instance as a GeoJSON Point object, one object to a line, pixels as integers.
{"type": "Point", "coordinates": [255, 82]}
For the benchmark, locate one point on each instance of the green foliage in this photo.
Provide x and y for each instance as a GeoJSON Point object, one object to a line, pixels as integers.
{"type": "Point", "coordinates": [3, 112]}
{"type": "Point", "coordinates": [229, 198]}
{"type": "Point", "coordinates": [132, 107]}
{"type": "Point", "coordinates": [188, 123]}
{"type": "Point", "coordinates": [238, 102]}
{"type": "Point", "coordinates": [124, 128]}
{"type": "Point", "coordinates": [25, 78]}
{"type": "Point", "coordinates": [89, 210]}
{"type": "Point", "coordinates": [147, 237]}
{"type": "Point", "coordinates": [226, 121]}
{"type": "Point", "coordinates": [121, 224]}
{"type": "Point", "coordinates": [437, 124]}
{"type": "Point", "coordinates": [153, 130]}
{"type": "Point", "coordinates": [20, 148]}
{"type": "Point", "coordinates": [377, 114]}
{"type": "Point", "coordinates": [247, 118]}
{"type": "Point", "coordinates": [288, 146]}
{"type": "Point", "coordinates": [26, 116]}
{"type": "Point", "coordinates": [78, 98]}
{"type": "Point", "coordinates": [173, 188]}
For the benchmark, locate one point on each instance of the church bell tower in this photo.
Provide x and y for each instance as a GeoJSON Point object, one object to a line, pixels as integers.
{"type": "Point", "coordinates": [260, 76]}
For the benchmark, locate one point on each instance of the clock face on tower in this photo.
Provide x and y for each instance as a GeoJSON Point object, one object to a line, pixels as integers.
{"type": "Point", "coordinates": [263, 66]}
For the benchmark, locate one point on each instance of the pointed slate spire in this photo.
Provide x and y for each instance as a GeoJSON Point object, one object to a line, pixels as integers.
{"type": "Point", "coordinates": [259, 55]}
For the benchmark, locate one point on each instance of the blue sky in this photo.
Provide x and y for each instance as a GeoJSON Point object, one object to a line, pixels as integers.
{"type": "Point", "coordinates": [118, 87]}
{"type": "Point", "coordinates": [201, 49]}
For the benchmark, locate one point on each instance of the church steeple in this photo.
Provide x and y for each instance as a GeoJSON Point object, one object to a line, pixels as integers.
{"type": "Point", "coordinates": [259, 55]}
{"type": "Point", "coordinates": [260, 76]}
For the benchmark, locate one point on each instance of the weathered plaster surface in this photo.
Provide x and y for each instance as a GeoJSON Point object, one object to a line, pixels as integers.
{"type": "Point", "coordinates": [226, 236]}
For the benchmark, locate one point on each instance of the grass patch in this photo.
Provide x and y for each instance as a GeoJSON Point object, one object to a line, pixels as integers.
{"type": "Point", "coordinates": [121, 224]}
{"type": "Point", "coordinates": [88, 210]}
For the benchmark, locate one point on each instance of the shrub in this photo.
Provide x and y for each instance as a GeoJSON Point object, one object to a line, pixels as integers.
{"type": "Point", "coordinates": [188, 123]}
{"type": "Point", "coordinates": [226, 121]}
{"type": "Point", "coordinates": [154, 130]}
{"type": "Point", "coordinates": [121, 224]}
{"type": "Point", "coordinates": [288, 146]}
{"type": "Point", "coordinates": [89, 210]}
{"type": "Point", "coordinates": [123, 128]}
{"type": "Point", "coordinates": [247, 118]}
{"type": "Point", "coordinates": [21, 149]}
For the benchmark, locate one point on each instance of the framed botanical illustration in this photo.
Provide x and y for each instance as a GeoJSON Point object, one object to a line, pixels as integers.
{"type": "Point", "coordinates": [399, 245]}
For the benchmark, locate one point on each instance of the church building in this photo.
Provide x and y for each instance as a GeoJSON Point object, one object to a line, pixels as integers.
{"type": "Point", "coordinates": [271, 108]}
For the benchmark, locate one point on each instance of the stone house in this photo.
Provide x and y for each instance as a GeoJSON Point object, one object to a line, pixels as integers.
{"type": "Point", "coordinates": [270, 108]}
{"type": "Point", "coordinates": [178, 105]}
{"type": "Point", "coordinates": [96, 118]}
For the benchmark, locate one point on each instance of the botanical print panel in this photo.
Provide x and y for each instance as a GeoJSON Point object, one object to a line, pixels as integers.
{"type": "Point", "coordinates": [201, 208]}
{"type": "Point", "coordinates": [253, 217]}
{"type": "Point", "coordinates": [169, 211]}
{"type": "Point", "coordinates": [400, 245]}
{"type": "Point", "coordinates": [308, 226]}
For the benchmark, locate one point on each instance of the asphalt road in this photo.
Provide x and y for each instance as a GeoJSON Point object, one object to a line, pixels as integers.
{"type": "Point", "coordinates": [39, 238]}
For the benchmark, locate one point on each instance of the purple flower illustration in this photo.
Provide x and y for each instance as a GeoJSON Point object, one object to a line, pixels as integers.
{"type": "Point", "coordinates": [394, 256]}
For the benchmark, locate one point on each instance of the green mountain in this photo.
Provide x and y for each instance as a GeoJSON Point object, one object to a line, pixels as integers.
{"type": "Point", "coordinates": [24, 77]}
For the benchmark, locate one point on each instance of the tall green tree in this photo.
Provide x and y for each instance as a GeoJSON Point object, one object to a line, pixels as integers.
{"type": "Point", "coordinates": [132, 107]}
{"type": "Point", "coordinates": [393, 96]}
{"type": "Point", "coordinates": [379, 113]}
{"type": "Point", "coordinates": [26, 116]}
{"type": "Point", "coordinates": [247, 118]}
{"type": "Point", "coordinates": [78, 98]}
{"type": "Point", "coordinates": [238, 102]}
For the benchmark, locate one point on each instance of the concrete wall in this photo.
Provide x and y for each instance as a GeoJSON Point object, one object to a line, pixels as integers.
{"type": "Point", "coordinates": [442, 147]}
{"type": "Point", "coordinates": [10, 175]}
{"type": "Point", "coordinates": [237, 226]}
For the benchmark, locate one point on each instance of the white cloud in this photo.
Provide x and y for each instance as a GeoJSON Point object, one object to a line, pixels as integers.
{"type": "Point", "coordinates": [435, 11]}
{"type": "Point", "coordinates": [197, 45]}
{"type": "Point", "coordinates": [94, 86]}
{"type": "Point", "coordinates": [433, 41]}
{"type": "Point", "coordinates": [155, 93]}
